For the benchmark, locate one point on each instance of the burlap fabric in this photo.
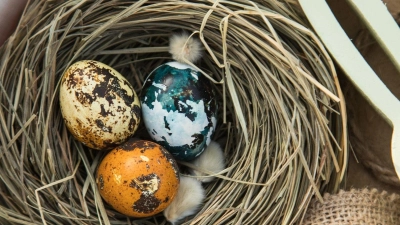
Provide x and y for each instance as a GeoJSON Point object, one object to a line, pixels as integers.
{"type": "Point", "coordinates": [355, 207]}
{"type": "Point", "coordinates": [369, 133]}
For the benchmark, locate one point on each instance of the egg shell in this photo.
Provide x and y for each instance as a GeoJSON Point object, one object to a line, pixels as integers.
{"type": "Point", "coordinates": [179, 109]}
{"type": "Point", "coordinates": [99, 106]}
{"type": "Point", "coordinates": [138, 178]}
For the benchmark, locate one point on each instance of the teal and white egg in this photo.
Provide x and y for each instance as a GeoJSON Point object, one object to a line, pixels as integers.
{"type": "Point", "coordinates": [179, 109]}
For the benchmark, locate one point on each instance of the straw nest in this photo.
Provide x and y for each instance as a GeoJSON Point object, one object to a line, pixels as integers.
{"type": "Point", "coordinates": [281, 116]}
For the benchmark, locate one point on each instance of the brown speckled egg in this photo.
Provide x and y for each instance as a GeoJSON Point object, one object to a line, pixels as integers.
{"type": "Point", "coordinates": [99, 106]}
{"type": "Point", "coordinates": [138, 178]}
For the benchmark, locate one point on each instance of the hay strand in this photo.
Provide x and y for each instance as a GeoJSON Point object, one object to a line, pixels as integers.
{"type": "Point", "coordinates": [281, 113]}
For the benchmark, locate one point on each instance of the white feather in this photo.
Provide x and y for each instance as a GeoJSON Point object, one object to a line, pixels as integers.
{"type": "Point", "coordinates": [187, 201]}
{"type": "Point", "coordinates": [212, 160]}
{"type": "Point", "coordinates": [182, 46]}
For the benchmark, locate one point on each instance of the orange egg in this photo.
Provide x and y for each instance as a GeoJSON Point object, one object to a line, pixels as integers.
{"type": "Point", "coordinates": [138, 178]}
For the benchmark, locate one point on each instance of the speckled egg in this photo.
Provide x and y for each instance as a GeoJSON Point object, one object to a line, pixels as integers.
{"type": "Point", "coordinates": [179, 109]}
{"type": "Point", "coordinates": [138, 178]}
{"type": "Point", "coordinates": [99, 106]}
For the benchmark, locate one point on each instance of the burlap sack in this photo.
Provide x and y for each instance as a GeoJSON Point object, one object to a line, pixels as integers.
{"type": "Point", "coordinates": [369, 133]}
{"type": "Point", "coordinates": [394, 8]}
{"type": "Point", "coordinates": [355, 207]}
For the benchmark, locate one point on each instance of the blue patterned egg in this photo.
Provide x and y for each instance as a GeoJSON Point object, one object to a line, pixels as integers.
{"type": "Point", "coordinates": [179, 109]}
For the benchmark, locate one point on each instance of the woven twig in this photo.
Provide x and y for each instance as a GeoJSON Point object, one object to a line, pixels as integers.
{"type": "Point", "coordinates": [281, 115]}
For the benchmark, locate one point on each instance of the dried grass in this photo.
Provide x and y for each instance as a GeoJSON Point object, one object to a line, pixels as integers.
{"type": "Point", "coordinates": [282, 114]}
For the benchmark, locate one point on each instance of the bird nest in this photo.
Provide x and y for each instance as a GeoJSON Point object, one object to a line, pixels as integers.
{"type": "Point", "coordinates": [281, 118]}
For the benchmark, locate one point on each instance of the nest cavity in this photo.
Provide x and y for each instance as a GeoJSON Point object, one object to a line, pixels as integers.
{"type": "Point", "coordinates": [281, 111]}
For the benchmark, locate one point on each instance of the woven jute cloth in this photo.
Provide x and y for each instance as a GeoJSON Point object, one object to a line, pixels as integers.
{"type": "Point", "coordinates": [369, 133]}
{"type": "Point", "coordinates": [355, 207]}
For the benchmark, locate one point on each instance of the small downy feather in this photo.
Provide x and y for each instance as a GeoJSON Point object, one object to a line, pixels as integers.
{"type": "Point", "coordinates": [187, 201]}
{"type": "Point", "coordinates": [182, 46]}
{"type": "Point", "coordinates": [212, 160]}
